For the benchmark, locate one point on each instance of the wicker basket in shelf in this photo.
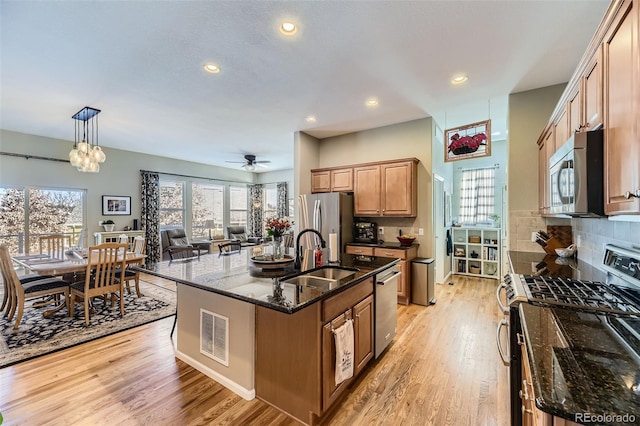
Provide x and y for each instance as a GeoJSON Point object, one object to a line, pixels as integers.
{"type": "Point", "coordinates": [474, 239]}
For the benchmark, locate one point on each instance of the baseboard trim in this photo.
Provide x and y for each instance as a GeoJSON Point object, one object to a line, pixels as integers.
{"type": "Point", "coordinates": [447, 278]}
{"type": "Point", "coordinates": [245, 393]}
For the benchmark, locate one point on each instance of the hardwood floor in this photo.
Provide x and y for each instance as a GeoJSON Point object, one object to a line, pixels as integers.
{"type": "Point", "coordinates": [443, 368]}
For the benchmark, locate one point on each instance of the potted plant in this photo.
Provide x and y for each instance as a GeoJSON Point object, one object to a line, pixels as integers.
{"type": "Point", "coordinates": [496, 220]}
{"type": "Point", "coordinates": [108, 225]}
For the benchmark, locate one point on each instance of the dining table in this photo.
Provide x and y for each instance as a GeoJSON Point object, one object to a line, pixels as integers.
{"type": "Point", "coordinates": [75, 262]}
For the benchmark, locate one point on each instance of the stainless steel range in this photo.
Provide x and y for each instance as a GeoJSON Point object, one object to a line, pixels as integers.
{"type": "Point", "coordinates": [617, 299]}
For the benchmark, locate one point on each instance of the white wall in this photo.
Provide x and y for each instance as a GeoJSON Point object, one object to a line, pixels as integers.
{"type": "Point", "coordinates": [119, 175]}
{"type": "Point", "coordinates": [403, 140]}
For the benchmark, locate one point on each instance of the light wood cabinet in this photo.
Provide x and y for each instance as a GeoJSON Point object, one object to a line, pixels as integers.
{"type": "Point", "coordinates": [387, 189]}
{"type": "Point", "coordinates": [546, 148]}
{"type": "Point", "coordinates": [332, 180]}
{"type": "Point", "coordinates": [320, 181]}
{"type": "Point", "coordinates": [561, 129]}
{"type": "Point", "coordinates": [295, 353]}
{"type": "Point", "coordinates": [361, 250]}
{"type": "Point", "coordinates": [366, 190]}
{"type": "Point", "coordinates": [342, 180]}
{"type": "Point", "coordinates": [592, 93]}
{"type": "Point", "coordinates": [621, 112]}
{"type": "Point", "coordinates": [575, 111]}
{"type": "Point", "coordinates": [404, 267]}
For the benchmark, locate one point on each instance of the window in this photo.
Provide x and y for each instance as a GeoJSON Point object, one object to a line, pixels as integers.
{"type": "Point", "coordinates": [270, 197]}
{"type": "Point", "coordinates": [172, 206]}
{"type": "Point", "coordinates": [27, 213]}
{"type": "Point", "coordinates": [477, 195]}
{"type": "Point", "coordinates": [238, 205]}
{"type": "Point", "coordinates": [207, 203]}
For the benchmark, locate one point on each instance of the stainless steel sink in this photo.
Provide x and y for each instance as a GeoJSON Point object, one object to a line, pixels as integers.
{"type": "Point", "coordinates": [332, 273]}
{"type": "Point", "coordinates": [322, 279]}
{"type": "Point", "coordinates": [311, 281]}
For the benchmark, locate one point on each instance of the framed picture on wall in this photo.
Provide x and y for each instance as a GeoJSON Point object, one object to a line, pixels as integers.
{"type": "Point", "coordinates": [468, 141]}
{"type": "Point", "coordinates": [114, 205]}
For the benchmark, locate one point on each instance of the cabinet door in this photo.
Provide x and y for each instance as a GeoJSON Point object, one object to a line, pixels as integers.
{"type": "Point", "coordinates": [329, 389]}
{"type": "Point", "coordinates": [342, 180]}
{"type": "Point", "coordinates": [592, 93]}
{"type": "Point", "coordinates": [621, 114]}
{"type": "Point", "coordinates": [561, 131]}
{"type": "Point", "coordinates": [320, 181]}
{"type": "Point", "coordinates": [575, 111]}
{"type": "Point", "coordinates": [363, 333]}
{"type": "Point", "coordinates": [545, 150]}
{"type": "Point", "coordinates": [398, 193]}
{"type": "Point", "coordinates": [366, 189]}
{"type": "Point", "coordinates": [403, 282]}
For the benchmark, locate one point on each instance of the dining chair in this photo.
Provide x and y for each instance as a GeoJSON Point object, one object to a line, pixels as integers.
{"type": "Point", "coordinates": [19, 292]}
{"type": "Point", "coordinates": [139, 247]}
{"type": "Point", "coordinates": [53, 245]}
{"type": "Point", "coordinates": [104, 277]}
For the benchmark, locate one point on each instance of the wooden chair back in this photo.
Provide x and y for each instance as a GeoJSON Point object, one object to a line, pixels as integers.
{"type": "Point", "coordinates": [11, 282]}
{"type": "Point", "coordinates": [139, 245]}
{"type": "Point", "coordinates": [105, 269]}
{"type": "Point", "coordinates": [53, 245]}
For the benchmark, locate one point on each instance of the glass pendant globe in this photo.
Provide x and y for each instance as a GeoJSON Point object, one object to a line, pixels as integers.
{"type": "Point", "coordinates": [83, 147]}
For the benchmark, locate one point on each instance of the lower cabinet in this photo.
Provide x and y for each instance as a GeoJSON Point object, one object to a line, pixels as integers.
{"type": "Point", "coordinates": [362, 315]}
{"type": "Point", "coordinates": [404, 266]}
{"type": "Point", "coordinates": [296, 357]}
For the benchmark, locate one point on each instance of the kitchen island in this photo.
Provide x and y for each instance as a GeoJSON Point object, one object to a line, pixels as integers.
{"type": "Point", "coordinates": [231, 316]}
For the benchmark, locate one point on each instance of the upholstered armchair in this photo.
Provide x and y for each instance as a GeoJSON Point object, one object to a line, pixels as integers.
{"type": "Point", "coordinates": [239, 233]}
{"type": "Point", "coordinates": [177, 245]}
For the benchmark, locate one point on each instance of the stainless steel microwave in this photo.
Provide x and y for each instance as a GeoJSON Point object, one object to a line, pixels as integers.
{"type": "Point", "coordinates": [576, 176]}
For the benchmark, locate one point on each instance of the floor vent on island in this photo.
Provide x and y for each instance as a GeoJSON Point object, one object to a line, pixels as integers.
{"type": "Point", "coordinates": [214, 336]}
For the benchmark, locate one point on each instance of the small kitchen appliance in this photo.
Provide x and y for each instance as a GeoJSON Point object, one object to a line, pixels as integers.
{"type": "Point", "coordinates": [365, 232]}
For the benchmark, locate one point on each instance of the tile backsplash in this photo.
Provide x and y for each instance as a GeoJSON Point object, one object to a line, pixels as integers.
{"type": "Point", "coordinates": [593, 234]}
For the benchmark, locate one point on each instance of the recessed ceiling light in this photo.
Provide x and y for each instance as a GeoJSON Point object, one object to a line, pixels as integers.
{"type": "Point", "coordinates": [212, 68]}
{"type": "Point", "coordinates": [311, 119]}
{"type": "Point", "coordinates": [372, 102]}
{"type": "Point", "coordinates": [288, 28]}
{"type": "Point", "coordinates": [459, 79]}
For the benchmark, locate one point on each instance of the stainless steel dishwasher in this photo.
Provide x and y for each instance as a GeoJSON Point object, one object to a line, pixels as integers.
{"type": "Point", "coordinates": [386, 305]}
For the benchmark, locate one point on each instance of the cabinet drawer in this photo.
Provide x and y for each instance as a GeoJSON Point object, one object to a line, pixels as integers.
{"type": "Point", "coordinates": [367, 251]}
{"type": "Point", "coordinates": [395, 253]}
{"type": "Point", "coordinates": [335, 305]}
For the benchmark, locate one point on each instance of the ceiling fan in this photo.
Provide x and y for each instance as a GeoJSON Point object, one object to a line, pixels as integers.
{"type": "Point", "coordinates": [251, 163]}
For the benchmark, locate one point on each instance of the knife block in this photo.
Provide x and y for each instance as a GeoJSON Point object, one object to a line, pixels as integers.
{"type": "Point", "coordinates": [552, 245]}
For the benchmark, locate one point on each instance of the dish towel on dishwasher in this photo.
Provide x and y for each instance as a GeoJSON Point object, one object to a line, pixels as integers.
{"type": "Point", "coordinates": [344, 351]}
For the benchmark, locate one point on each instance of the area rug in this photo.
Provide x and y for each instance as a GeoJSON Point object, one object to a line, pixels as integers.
{"type": "Point", "coordinates": [39, 336]}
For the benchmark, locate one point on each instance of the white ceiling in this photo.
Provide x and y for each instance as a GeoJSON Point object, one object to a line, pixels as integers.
{"type": "Point", "coordinates": [141, 63]}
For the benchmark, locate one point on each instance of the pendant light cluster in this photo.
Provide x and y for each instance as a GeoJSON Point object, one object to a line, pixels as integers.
{"type": "Point", "coordinates": [86, 154]}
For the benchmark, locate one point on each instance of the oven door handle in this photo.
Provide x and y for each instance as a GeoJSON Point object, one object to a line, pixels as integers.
{"type": "Point", "coordinates": [505, 357]}
{"type": "Point", "coordinates": [503, 308]}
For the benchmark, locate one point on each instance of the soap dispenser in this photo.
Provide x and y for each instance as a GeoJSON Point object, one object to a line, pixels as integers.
{"type": "Point", "coordinates": [318, 256]}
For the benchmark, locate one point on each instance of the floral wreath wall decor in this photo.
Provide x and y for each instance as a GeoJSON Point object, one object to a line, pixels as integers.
{"type": "Point", "coordinates": [469, 141]}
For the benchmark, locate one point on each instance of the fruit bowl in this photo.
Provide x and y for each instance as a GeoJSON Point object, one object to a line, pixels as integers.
{"type": "Point", "coordinates": [406, 240]}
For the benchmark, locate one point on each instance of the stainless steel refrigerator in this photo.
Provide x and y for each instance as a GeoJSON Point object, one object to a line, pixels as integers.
{"type": "Point", "coordinates": [327, 213]}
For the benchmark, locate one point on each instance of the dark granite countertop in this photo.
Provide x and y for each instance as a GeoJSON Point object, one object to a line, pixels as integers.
{"type": "Point", "coordinates": [579, 365]}
{"type": "Point", "coordinates": [384, 244]}
{"type": "Point", "coordinates": [532, 263]}
{"type": "Point", "coordinates": [235, 276]}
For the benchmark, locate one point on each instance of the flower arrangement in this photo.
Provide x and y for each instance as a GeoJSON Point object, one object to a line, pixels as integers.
{"type": "Point", "coordinates": [276, 226]}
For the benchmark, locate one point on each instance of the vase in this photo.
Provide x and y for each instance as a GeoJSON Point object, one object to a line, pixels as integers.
{"type": "Point", "coordinates": [277, 247]}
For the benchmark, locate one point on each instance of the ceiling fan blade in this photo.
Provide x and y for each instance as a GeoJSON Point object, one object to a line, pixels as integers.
{"type": "Point", "coordinates": [261, 162]}
{"type": "Point", "coordinates": [238, 162]}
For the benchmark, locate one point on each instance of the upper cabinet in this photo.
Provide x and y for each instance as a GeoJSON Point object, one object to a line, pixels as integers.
{"type": "Point", "coordinates": [332, 180]}
{"type": "Point", "coordinates": [592, 93]}
{"type": "Point", "coordinates": [386, 189]}
{"type": "Point", "coordinates": [546, 148]}
{"type": "Point", "coordinates": [605, 92]}
{"type": "Point", "coordinates": [621, 64]}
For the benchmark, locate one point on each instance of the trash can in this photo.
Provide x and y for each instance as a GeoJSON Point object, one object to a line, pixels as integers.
{"type": "Point", "coordinates": [422, 281]}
